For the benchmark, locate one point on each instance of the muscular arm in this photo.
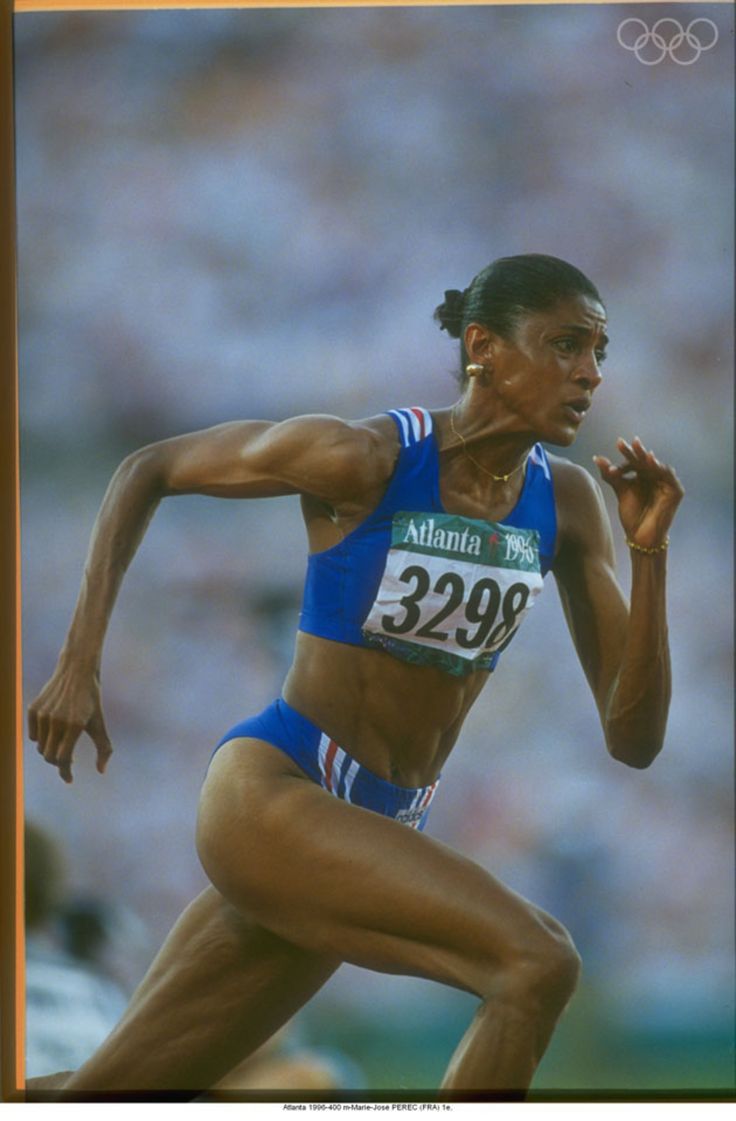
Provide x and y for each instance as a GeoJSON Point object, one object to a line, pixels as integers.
{"type": "Point", "coordinates": [320, 456]}
{"type": "Point", "coordinates": [623, 649]}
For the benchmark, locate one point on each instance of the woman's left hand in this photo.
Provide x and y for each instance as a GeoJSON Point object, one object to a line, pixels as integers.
{"type": "Point", "coordinates": [648, 492]}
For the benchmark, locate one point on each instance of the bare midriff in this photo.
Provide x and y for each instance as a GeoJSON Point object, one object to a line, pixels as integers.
{"type": "Point", "coordinates": [398, 720]}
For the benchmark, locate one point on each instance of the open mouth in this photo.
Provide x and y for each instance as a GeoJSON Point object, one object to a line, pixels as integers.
{"type": "Point", "coordinates": [576, 410]}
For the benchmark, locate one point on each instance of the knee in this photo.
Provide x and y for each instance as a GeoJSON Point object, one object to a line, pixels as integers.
{"type": "Point", "coordinates": [542, 970]}
{"type": "Point", "coordinates": [551, 971]}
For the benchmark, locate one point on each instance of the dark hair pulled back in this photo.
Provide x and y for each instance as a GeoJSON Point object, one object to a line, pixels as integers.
{"type": "Point", "coordinates": [508, 289]}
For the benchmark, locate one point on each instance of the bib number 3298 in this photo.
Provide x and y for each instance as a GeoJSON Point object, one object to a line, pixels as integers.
{"type": "Point", "coordinates": [430, 609]}
{"type": "Point", "coordinates": [454, 590]}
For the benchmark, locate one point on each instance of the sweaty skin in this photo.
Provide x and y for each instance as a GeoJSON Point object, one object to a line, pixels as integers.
{"type": "Point", "coordinates": [274, 926]}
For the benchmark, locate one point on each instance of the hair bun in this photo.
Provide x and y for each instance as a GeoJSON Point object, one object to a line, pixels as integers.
{"type": "Point", "coordinates": [449, 315]}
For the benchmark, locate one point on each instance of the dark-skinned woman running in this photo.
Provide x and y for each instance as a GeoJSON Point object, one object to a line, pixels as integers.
{"type": "Point", "coordinates": [430, 534]}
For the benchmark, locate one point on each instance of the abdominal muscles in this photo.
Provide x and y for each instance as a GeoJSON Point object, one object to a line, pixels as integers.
{"type": "Point", "coordinates": [399, 720]}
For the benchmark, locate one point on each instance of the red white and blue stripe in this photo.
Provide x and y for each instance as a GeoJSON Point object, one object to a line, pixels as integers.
{"type": "Point", "coordinates": [337, 770]}
{"type": "Point", "coordinates": [415, 814]}
{"type": "Point", "coordinates": [330, 766]}
{"type": "Point", "coordinates": [414, 424]}
{"type": "Point", "coordinates": [339, 773]}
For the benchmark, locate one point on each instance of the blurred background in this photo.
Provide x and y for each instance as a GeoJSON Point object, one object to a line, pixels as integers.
{"type": "Point", "coordinates": [235, 214]}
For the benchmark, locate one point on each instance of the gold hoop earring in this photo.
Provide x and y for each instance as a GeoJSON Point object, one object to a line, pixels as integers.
{"type": "Point", "coordinates": [474, 370]}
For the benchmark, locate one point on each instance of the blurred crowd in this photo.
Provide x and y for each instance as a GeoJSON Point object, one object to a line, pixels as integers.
{"type": "Point", "coordinates": [74, 996]}
{"type": "Point", "coordinates": [253, 213]}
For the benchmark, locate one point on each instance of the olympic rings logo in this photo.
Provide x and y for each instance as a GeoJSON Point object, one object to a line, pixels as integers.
{"type": "Point", "coordinates": [691, 51]}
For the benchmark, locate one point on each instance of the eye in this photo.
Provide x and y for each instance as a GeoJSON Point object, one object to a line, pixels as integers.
{"type": "Point", "coordinates": [600, 356]}
{"type": "Point", "coordinates": [568, 345]}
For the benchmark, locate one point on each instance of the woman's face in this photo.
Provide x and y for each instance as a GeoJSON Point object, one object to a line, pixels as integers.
{"type": "Point", "coordinates": [544, 377]}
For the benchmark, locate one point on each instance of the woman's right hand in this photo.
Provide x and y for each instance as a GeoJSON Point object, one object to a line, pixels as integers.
{"type": "Point", "coordinates": [68, 705]}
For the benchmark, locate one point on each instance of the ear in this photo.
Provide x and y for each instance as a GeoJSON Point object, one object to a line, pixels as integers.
{"type": "Point", "coordinates": [480, 344]}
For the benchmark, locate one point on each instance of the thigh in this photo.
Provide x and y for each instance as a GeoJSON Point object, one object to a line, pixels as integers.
{"type": "Point", "coordinates": [220, 986]}
{"type": "Point", "coordinates": [343, 881]}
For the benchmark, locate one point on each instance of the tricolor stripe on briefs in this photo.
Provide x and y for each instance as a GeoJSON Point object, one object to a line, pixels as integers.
{"type": "Point", "coordinates": [420, 804]}
{"type": "Point", "coordinates": [337, 777]}
{"type": "Point", "coordinates": [423, 797]}
{"type": "Point", "coordinates": [415, 424]}
{"type": "Point", "coordinates": [338, 771]}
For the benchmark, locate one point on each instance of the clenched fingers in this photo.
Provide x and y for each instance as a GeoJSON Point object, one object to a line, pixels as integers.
{"type": "Point", "coordinates": [65, 752]}
{"type": "Point", "coordinates": [68, 705]}
{"type": "Point", "coordinates": [55, 742]}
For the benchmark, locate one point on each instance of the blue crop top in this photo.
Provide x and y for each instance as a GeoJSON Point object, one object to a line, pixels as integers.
{"type": "Point", "coordinates": [426, 586]}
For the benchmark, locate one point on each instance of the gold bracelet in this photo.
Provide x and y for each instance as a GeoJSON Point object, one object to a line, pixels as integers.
{"type": "Point", "coordinates": [644, 549]}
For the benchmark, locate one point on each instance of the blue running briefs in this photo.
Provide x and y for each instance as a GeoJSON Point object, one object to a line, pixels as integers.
{"type": "Point", "coordinates": [332, 768]}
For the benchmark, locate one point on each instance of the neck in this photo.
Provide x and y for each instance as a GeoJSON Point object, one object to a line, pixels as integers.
{"type": "Point", "coordinates": [486, 442]}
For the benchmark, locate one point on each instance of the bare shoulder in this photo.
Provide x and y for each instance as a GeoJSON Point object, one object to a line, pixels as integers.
{"type": "Point", "coordinates": [336, 459]}
{"type": "Point", "coordinates": [374, 434]}
{"type": "Point", "coordinates": [374, 438]}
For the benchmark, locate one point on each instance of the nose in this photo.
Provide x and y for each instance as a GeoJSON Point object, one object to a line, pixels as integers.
{"type": "Point", "coordinates": [588, 373]}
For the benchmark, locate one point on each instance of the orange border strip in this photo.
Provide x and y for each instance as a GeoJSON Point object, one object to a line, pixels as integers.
{"type": "Point", "coordinates": [12, 961]}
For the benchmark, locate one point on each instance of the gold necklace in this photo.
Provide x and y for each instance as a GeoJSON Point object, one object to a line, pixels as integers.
{"type": "Point", "coordinates": [474, 461]}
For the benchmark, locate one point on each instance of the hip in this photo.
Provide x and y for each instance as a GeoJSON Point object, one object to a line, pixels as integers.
{"type": "Point", "coordinates": [328, 765]}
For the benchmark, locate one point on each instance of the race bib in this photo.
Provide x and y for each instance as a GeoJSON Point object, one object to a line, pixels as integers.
{"type": "Point", "coordinates": [454, 590]}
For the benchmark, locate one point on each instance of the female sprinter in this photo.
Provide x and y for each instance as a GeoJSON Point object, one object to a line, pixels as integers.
{"type": "Point", "coordinates": [429, 537]}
